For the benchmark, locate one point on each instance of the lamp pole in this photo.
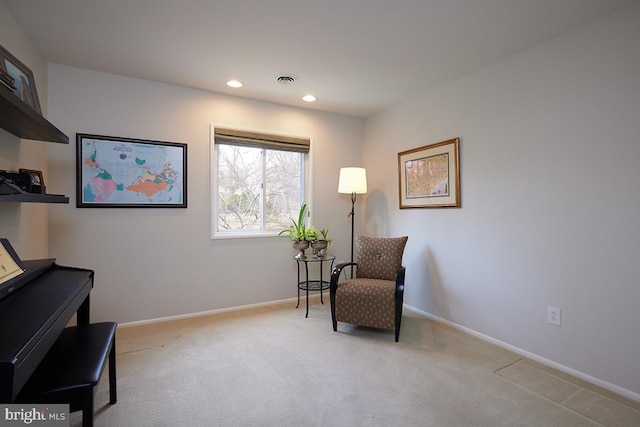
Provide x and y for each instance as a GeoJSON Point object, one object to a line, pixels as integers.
{"type": "Point", "coordinates": [352, 181]}
{"type": "Point", "coordinates": [353, 204]}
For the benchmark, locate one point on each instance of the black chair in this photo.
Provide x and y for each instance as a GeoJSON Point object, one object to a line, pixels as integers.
{"type": "Point", "coordinates": [72, 368]}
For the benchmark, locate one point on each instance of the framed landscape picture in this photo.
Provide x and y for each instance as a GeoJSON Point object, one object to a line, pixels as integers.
{"type": "Point", "coordinates": [114, 172]}
{"type": "Point", "coordinates": [429, 176]}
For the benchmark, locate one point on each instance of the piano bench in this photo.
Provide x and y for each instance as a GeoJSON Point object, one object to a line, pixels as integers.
{"type": "Point", "coordinates": [72, 368]}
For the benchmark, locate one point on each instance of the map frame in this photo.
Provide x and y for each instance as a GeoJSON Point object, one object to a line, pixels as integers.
{"type": "Point", "coordinates": [429, 176]}
{"type": "Point", "coordinates": [176, 182]}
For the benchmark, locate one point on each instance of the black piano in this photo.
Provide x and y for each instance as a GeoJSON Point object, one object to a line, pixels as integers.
{"type": "Point", "coordinates": [33, 316]}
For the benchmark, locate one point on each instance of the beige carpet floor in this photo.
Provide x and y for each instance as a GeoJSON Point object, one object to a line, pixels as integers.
{"type": "Point", "coordinates": [271, 366]}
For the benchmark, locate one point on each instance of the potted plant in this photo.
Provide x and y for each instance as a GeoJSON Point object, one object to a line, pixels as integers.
{"type": "Point", "coordinates": [298, 233]}
{"type": "Point", "coordinates": [311, 234]}
{"type": "Point", "coordinates": [325, 235]}
{"type": "Point", "coordinates": [319, 245]}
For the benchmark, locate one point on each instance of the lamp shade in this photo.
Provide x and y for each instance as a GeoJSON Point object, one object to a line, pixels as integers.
{"type": "Point", "coordinates": [352, 180]}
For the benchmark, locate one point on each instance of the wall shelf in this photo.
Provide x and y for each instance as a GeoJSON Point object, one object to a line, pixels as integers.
{"type": "Point", "coordinates": [34, 198]}
{"type": "Point", "coordinates": [23, 121]}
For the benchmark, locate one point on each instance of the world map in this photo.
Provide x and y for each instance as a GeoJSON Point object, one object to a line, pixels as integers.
{"type": "Point", "coordinates": [120, 173]}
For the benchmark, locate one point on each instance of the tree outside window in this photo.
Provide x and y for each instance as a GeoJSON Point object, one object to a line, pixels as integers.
{"type": "Point", "coordinates": [259, 187]}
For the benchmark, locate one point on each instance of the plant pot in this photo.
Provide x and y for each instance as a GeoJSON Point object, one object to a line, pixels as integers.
{"type": "Point", "coordinates": [319, 247]}
{"type": "Point", "coordinates": [301, 246]}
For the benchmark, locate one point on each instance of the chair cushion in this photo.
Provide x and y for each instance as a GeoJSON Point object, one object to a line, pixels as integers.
{"type": "Point", "coordinates": [379, 257]}
{"type": "Point", "coordinates": [367, 302]}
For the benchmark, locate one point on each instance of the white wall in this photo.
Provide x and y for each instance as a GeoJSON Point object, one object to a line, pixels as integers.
{"type": "Point", "coordinates": [549, 160]}
{"type": "Point", "coordinates": [24, 224]}
{"type": "Point", "coordinates": [155, 263]}
{"type": "Point", "coordinates": [549, 174]}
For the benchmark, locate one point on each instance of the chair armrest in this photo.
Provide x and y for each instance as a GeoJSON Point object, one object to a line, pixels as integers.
{"type": "Point", "coordinates": [333, 289]}
{"type": "Point", "coordinates": [400, 279]}
{"type": "Point", "coordinates": [399, 297]}
{"type": "Point", "coordinates": [335, 274]}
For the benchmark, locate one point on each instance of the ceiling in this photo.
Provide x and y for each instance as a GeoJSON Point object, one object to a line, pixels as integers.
{"type": "Point", "coordinates": [356, 56]}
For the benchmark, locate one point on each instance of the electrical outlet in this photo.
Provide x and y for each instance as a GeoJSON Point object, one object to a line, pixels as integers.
{"type": "Point", "coordinates": [554, 315]}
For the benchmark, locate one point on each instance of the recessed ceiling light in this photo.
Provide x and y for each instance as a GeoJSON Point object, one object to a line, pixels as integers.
{"type": "Point", "coordinates": [309, 98]}
{"type": "Point", "coordinates": [234, 83]}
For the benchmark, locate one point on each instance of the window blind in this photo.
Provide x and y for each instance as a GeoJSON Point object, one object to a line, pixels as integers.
{"type": "Point", "coordinates": [261, 140]}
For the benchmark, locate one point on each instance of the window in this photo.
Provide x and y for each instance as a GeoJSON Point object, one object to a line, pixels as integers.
{"type": "Point", "coordinates": [259, 182]}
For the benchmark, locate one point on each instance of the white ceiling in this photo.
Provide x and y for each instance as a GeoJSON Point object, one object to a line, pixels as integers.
{"type": "Point", "coordinates": [356, 56]}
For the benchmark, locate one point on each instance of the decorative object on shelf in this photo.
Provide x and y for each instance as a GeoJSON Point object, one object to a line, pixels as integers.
{"type": "Point", "coordinates": [18, 76]}
{"type": "Point", "coordinates": [429, 176]}
{"type": "Point", "coordinates": [352, 181]}
{"type": "Point", "coordinates": [26, 185]}
{"type": "Point", "coordinates": [36, 181]}
{"type": "Point", "coordinates": [7, 80]}
{"type": "Point", "coordinates": [23, 187]}
{"type": "Point", "coordinates": [124, 172]}
{"type": "Point", "coordinates": [23, 181]}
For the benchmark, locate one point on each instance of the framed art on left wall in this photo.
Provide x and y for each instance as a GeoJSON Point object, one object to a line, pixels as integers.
{"type": "Point", "coordinates": [115, 172]}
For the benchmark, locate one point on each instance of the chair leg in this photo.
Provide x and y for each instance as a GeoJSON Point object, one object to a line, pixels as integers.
{"type": "Point", "coordinates": [398, 314]}
{"type": "Point", "coordinates": [113, 396]}
{"type": "Point", "coordinates": [332, 298]}
{"type": "Point", "coordinates": [87, 412]}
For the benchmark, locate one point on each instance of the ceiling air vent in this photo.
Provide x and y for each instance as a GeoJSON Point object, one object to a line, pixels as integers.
{"type": "Point", "coordinates": [287, 79]}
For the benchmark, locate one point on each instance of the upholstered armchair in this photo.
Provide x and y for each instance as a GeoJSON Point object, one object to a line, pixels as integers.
{"type": "Point", "coordinates": [374, 297]}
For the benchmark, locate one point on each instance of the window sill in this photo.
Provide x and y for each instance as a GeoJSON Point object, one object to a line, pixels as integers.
{"type": "Point", "coordinates": [244, 235]}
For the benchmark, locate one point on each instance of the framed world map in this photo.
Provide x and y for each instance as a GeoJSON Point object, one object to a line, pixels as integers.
{"type": "Point", "coordinates": [114, 172]}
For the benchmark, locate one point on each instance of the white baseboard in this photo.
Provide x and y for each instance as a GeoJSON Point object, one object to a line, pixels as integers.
{"type": "Point", "coordinates": [209, 312]}
{"type": "Point", "coordinates": [578, 374]}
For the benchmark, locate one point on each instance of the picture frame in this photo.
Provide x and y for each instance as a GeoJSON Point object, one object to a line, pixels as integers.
{"type": "Point", "coordinates": [36, 176]}
{"type": "Point", "coordinates": [37, 180]}
{"type": "Point", "coordinates": [429, 176]}
{"type": "Point", "coordinates": [18, 78]}
{"type": "Point", "coordinates": [116, 172]}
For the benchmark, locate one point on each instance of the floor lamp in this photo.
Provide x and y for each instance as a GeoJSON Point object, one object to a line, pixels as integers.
{"type": "Point", "coordinates": [352, 181]}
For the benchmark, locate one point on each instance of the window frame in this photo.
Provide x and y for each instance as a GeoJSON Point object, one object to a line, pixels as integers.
{"type": "Point", "coordinates": [213, 191]}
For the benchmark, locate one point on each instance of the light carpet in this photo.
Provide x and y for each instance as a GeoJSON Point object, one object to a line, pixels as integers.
{"type": "Point", "coordinates": [271, 366]}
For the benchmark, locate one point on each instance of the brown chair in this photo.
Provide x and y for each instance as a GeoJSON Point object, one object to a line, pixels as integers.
{"type": "Point", "coordinates": [374, 297]}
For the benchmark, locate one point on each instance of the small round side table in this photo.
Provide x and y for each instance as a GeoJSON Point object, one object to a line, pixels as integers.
{"type": "Point", "coordinates": [313, 284]}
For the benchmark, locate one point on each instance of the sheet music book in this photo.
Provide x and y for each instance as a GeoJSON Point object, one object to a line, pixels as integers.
{"type": "Point", "coordinates": [10, 264]}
